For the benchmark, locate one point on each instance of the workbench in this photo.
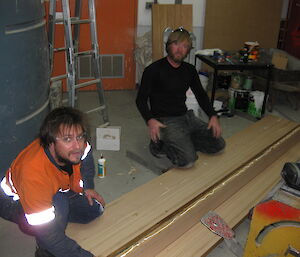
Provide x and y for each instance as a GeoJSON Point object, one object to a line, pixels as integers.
{"type": "Point", "coordinates": [236, 64]}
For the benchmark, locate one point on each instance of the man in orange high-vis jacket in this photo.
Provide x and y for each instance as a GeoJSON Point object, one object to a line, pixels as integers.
{"type": "Point", "coordinates": [51, 183]}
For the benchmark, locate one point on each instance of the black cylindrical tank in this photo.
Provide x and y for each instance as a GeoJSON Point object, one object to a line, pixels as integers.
{"type": "Point", "coordinates": [24, 75]}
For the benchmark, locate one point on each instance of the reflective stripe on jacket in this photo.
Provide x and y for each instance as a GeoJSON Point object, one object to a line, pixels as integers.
{"type": "Point", "coordinates": [33, 180]}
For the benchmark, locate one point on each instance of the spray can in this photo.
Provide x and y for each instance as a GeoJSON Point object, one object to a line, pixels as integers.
{"type": "Point", "coordinates": [101, 167]}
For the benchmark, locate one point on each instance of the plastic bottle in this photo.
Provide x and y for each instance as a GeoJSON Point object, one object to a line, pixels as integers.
{"type": "Point", "coordinates": [101, 167]}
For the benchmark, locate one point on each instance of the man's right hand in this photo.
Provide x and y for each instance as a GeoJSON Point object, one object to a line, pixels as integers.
{"type": "Point", "coordinates": [154, 129]}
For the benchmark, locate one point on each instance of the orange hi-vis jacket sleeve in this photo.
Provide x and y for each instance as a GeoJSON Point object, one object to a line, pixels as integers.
{"type": "Point", "coordinates": [35, 180]}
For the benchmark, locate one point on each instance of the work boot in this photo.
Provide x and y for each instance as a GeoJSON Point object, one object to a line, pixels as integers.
{"type": "Point", "coordinates": [156, 149]}
{"type": "Point", "coordinates": [40, 252]}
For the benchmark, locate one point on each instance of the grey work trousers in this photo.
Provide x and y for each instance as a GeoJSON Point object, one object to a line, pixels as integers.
{"type": "Point", "coordinates": [184, 135]}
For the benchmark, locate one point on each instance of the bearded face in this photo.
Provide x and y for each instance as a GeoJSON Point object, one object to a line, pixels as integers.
{"type": "Point", "coordinates": [178, 51]}
{"type": "Point", "coordinates": [69, 145]}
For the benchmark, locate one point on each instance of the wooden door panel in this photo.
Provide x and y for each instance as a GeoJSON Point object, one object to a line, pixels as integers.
{"type": "Point", "coordinates": [168, 15]}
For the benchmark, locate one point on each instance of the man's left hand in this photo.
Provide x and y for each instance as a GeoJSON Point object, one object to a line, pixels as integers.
{"type": "Point", "coordinates": [92, 194]}
{"type": "Point", "coordinates": [215, 126]}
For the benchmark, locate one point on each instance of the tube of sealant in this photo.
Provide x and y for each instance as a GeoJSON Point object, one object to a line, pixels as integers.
{"type": "Point", "coordinates": [101, 167]}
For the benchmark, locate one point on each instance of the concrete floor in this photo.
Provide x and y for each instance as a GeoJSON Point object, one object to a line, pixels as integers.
{"type": "Point", "coordinates": [132, 166]}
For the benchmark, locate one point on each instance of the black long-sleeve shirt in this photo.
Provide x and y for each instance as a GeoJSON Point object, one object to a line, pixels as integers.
{"type": "Point", "coordinates": [165, 87]}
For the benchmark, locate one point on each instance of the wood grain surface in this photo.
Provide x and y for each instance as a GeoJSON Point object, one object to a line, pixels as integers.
{"type": "Point", "coordinates": [139, 212]}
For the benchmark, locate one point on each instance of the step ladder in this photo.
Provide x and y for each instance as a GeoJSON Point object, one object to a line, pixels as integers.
{"type": "Point", "coordinates": [72, 51]}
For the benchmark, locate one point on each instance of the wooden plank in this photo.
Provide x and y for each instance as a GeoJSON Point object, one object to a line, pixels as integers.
{"type": "Point", "coordinates": [172, 16]}
{"type": "Point", "coordinates": [133, 215]}
{"type": "Point", "coordinates": [223, 189]}
{"type": "Point", "coordinates": [199, 240]}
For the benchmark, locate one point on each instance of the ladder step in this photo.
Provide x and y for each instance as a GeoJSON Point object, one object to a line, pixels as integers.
{"type": "Point", "coordinates": [66, 100]}
{"type": "Point", "coordinates": [64, 76]}
{"type": "Point", "coordinates": [74, 20]}
{"type": "Point", "coordinates": [59, 49]}
{"type": "Point", "coordinates": [87, 83]}
{"type": "Point", "coordinates": [104, 125]}
{"type": "Point", "coordinates": [99, 108]}
{"type": "Point", "coordinates": [89, 52]}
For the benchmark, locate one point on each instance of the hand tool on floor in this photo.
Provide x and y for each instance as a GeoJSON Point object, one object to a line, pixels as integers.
{"type": "Point", "coordinates": [290, 182]}
{"type": "Point", "coordinates": [275, 225]}
{"type": "Point", "coordinates": [274, 230]}
{"type": "Point", "coordinates": [217, 225]}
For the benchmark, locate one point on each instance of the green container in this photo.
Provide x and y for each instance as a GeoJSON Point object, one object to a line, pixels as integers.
{"type": "Point", "coordinates": [256, 103]}
{"type": "Point", "coordinates": [248, 83]}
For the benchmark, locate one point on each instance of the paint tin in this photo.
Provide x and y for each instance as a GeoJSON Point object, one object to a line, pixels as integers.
{"type": "Point", "coordinates": [248, 83]}
{"type": "Point", "coordinates": [238, 99]}
{"type": "Point", "coordinates": [101, 167]}
{"type": "Point", "coordinates": [256, 100]}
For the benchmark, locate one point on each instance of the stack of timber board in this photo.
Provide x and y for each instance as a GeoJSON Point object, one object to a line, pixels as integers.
{"type": "Point", "coordinates": [152, 219]}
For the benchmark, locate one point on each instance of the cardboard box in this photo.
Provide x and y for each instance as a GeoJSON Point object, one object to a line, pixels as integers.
{"type": "Point", "coordinates": [108, 138]}
{"type": "Point", "coordinates": [280, 61]}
